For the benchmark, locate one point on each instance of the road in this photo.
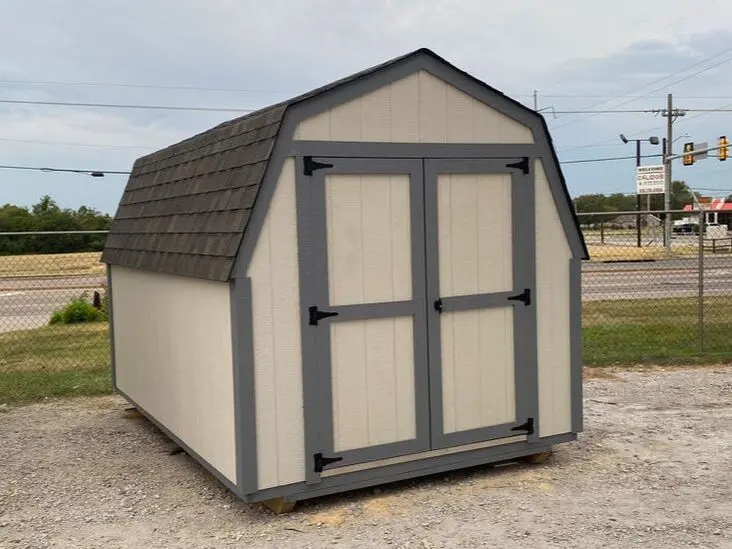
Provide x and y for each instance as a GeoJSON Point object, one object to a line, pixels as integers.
{"type": "Point", "coordinates": [29, 302]}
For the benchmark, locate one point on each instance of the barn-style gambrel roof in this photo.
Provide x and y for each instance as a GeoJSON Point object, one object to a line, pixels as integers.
{"type": "Point", "coordinates": [186, 208]}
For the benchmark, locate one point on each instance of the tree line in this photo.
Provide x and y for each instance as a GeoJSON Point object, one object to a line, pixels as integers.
{"type": "Point", "coordinates": [47, 215]}
{"type": "Point", "coordinates": [681, 195]}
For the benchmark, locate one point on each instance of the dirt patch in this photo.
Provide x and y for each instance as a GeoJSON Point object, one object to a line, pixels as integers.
{"type": "Point", "coordinates": [651, 470]}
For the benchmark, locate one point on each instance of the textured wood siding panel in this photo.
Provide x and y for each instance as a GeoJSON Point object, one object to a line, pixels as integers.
{"type": "Point", "coordinates": [475, 233]}
{"type": "Point", "coordinates": [373, 382]}
{"type": "Point", "coordinates": [478, 388]}
{"type": "Point", "coordinates": [420, 108]}
{"type": "Point", "coordinates": [552, 305]}
{"type": "Point", "coordinates": [277, 354]}
{"type": "Point", "coordinates": [173, 357]}
{"type": "Point", "coordinates": [369, 247]}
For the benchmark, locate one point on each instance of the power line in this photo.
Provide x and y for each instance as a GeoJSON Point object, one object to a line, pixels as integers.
{"type": "Point", "coordinates": [141, 86]}
{"type": "Point", "coordinates": [123, 106]}
{"type": "Point", "coordinates": [85, 145]}
{"type": "Point", "coordinates": [63, 170]}
{"type": "Point", "coordinates": [607, 159]}
{"type": "Point", "coordinates": [650, 84]}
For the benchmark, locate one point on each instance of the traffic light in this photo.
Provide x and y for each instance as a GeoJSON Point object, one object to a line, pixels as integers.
{"type": "Point", "coordinates": [688, 158]}
{"type": "Point", "coordinates": [723, 147]}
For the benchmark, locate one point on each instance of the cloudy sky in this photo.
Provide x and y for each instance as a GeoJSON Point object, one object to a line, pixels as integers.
{"type": "Point", "coordinates": [579, 55]}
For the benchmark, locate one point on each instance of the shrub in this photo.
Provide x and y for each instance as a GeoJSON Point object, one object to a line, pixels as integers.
{"type": "Point", "coordinates": [76, 311]}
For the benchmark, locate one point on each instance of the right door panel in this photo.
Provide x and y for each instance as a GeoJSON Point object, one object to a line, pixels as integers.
{"type": "Point", "coordinates": [480, 258]}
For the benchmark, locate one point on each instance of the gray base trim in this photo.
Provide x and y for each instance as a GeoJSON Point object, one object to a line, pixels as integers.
{"type": "Point", "coordinates": [205, 464]}
{"type": "Point", "coordinates": [403, 471]}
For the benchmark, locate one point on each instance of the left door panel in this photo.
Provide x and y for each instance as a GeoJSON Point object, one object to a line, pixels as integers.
{"type": "Point", "coordinates": [366, 312]}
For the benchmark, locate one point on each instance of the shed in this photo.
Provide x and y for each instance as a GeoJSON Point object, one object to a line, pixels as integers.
{"type": "Point", "coordinates": [377, 280]}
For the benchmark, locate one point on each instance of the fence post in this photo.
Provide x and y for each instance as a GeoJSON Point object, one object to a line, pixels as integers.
{"type": "Point", "coordinates": [700, 304]}
{"type": "Point", "coordinates": [602, 231]}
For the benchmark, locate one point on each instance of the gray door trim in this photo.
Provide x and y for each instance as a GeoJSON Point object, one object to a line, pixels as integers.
{"type": "Point", "coordinates": [353, 149]}
{"type": "Point", "coordinates": [524, 276]}
{"type": "Point", "coordinates": [314, 291]}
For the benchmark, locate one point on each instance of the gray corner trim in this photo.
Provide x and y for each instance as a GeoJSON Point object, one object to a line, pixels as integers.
{"type": "Point", "coordinates": [192, 453]}
{"type": "Point", "coordinates": [110, 328]}
{"type": "Point", "coordinates": [411, 469]}
{"type": "Point", "coordinates": [575, 331]}
{"type": "Point", "coordinates": [245, 422]}
{"type": "Point", "coordinates": [360, 149]}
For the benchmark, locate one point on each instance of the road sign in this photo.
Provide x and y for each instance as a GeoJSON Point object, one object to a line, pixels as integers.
{"type": "Point", "coordinates": [650, 179]}
{"type": "Point", "coordinates": [701, 147]}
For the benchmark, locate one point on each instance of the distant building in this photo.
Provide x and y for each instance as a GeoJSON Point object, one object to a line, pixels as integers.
{"type": "Point", "coordinates": [718, 211]}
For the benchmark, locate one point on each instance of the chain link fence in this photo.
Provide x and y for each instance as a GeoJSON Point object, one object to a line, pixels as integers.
{"type": "Point", "coordinates": [644, 301]}
{"type": "Point", "coordinates": [53, 320]}
{"type": "Point", "coordinates": [649, 299]}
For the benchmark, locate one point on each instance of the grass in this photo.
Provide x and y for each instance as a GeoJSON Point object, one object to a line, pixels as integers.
{"type": "Point", "coordinates": [48, 265]}
{"type": "Point", "coordinates": [54, 361]}
{"type": "Point", "coordinates": [602, 252]}
{"type": "Point", "coordinates": [73, 360]}
{"type": "Point", "coordinates": [656, 331]}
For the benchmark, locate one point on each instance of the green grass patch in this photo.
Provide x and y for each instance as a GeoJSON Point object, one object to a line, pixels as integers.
{"type": "Point", "coordinates": [54, 361]}
{"type": "Point", "coordinates": [656, 331]}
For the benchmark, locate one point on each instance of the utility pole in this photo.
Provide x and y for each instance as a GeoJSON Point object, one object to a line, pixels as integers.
{"type": "Point", "coordinates": [667, 186]}
{"type": "Point", "coordinates": [536, 101]}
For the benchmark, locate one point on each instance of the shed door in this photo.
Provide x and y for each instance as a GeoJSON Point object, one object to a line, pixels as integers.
{"type": "Point", "coordinates": [366, 387]}
{"type": "Point", "coordinates": [482, 323]}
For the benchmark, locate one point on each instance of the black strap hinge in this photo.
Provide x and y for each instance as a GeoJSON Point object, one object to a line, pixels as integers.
{"type": "Point", "coordinates": [320, 461]}
{"type": "Point", "coordinates": [524, 296]}
{"type": "Point", "coordinates": [316, 315]}
{"type": "Point", "coordinates": [438, 305]}
{"type": "Point", "coordinates": [310, 165]}
{"type": "Point", "coordinates": [528, 426]}
{"type": "Point", "coordinates": [522, 165]}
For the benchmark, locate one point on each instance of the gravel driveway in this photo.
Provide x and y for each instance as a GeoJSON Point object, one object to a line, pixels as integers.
{"type": "Point", "coordinates": [653, 469]}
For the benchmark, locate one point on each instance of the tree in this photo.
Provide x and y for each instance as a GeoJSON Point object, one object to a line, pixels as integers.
{"type": "Point", "coordinates": [47, 215]}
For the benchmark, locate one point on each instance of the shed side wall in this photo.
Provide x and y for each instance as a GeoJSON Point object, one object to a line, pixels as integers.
{"type": "Point", "coordinates": [173, 358]}
{"type": "Point", "coordinates": [276, 329]}
{"type": "Point", "coordinates": [553, 318]}
{"type": "Point", "coordinates": [420, 108]}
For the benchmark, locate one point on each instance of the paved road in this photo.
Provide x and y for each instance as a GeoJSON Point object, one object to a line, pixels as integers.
{"type": "Point", "coordinates": [29, 302]}
{"type": "Point", "coordinates": [32, 307]}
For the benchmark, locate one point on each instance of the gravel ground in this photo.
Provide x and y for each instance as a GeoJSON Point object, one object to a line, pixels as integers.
{"type": "Point", "coordinates": [653, 469]}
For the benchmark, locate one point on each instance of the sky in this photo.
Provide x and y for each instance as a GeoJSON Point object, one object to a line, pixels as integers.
{"type": "Point", "coordinates": [246, 54]}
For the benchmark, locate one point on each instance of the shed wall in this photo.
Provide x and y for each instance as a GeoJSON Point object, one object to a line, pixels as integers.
{"type": "Point", "coordinates": [440, 114]}
{"type": "Point", "coordinates": [173, 358]}
{"type": "Point", "coordinates": [553, 319]}
{"type": "Point", "coordinates": [276, 329]}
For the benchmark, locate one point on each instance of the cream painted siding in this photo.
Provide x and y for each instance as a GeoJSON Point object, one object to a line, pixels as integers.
{"type": "Point", "coordinates": [420, 108]}
{"type": "Point", "coordinates": [372, 370]}
{"type": "Point", "coordinates": [478, 387]}
{"type": "Point", "coordinates": [475, 233]}
{"type": "Point", "coordinates": [173, 357]}
{"type": "Point", "coordinates": [277, 355]}
{"type": "Point", "coordinates": [553, 320]}
{"type": "Point", "coordinates": [369, 238]}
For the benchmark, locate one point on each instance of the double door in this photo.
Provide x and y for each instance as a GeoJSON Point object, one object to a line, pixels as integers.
{"type": "Point", "coordinates": [419, 328]}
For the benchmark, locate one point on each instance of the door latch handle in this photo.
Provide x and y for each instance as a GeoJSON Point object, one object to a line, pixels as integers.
{"type": "Point", "coordinates": [316, 315]}
{"type": "Point", "coordinates": [525, 296]}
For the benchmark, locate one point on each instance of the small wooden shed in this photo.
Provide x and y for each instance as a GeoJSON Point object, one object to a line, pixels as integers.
{"type": "Point", "coordinates": [377, 280]}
